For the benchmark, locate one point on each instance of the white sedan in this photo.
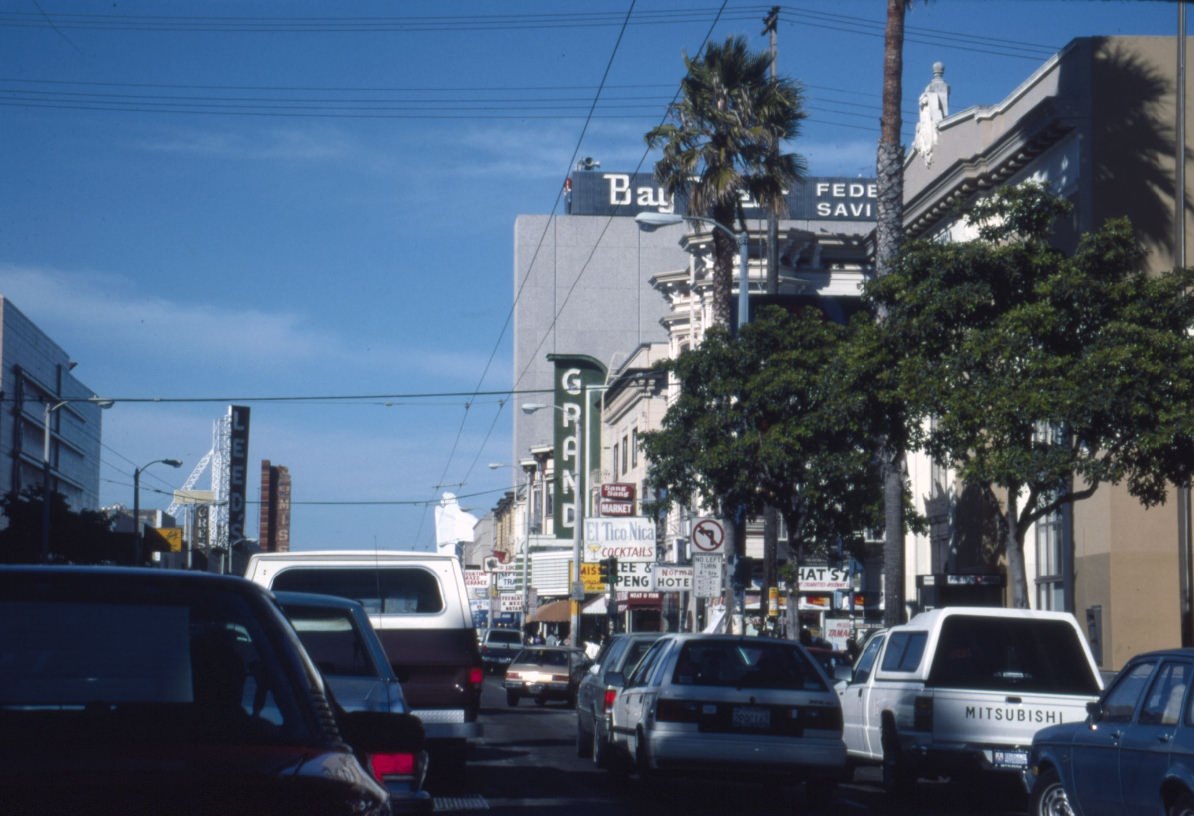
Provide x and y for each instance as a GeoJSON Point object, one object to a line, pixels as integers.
{"type": "Point", "coordinates": [704, 704]}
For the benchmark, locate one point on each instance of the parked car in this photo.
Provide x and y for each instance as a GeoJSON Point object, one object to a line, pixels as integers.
{"type": "Point", "coordinates": [338, 636]}
{"type": "Point", "coordinates": [419, 606]}
{"type": "Point", "coordinates": [595, 694]}
{"type": "Point", "coordinates": [545, 673]}
{"type": "Point", "coordinates": [740, 706]}
{"type": "Point", "coordinates": [144, 691]}
{"type": "Point", "coordinates": [1134, 753]}
{"type": "Point", "coordinates": [498, 647]}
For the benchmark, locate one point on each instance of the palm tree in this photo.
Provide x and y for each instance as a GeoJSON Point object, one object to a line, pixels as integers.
{"type": "Point", "coordinates": [718, 144]}
{"type": "Point", "coordinates": [889, 234]}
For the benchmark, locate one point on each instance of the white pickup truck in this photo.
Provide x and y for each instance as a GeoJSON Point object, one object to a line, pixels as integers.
{"type": "Point", "coordinates": [959, 691]}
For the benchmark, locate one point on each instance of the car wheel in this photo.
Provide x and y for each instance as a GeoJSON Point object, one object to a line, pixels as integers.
{"type": "Point", "coordinates": [1183, 805]}
{"type": "Point", "coordinates": [511, 698]}
{"type": "Point", "coordinates": [1048, 796]}
{"type": "Point", "coordinates": [584, 740]}
{"type": "Point", "coordinates": [600, 748]}
{"type": "Point", "coordinates": [897, 777]}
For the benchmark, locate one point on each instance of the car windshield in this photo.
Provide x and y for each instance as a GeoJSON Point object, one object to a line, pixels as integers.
{"type": "Point", "coordinates": [150, 667]}
{"type": "Point", "coordinates": [332, 640]}
{"type": "Point", "coordinates": [763, 664]}
{"type": "Point", "coordinates": [543, 657]}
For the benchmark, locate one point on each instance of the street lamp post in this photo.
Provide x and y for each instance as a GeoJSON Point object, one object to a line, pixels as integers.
{"type": "Point", "coordinates": [654, 220]}
{"type": "Point", "coordinates": [50, 408]}
{"type": "Point", "coordinates": [138, 539]}
{"type": "Point", "coordinates": [47, 492]}
{"type": "Point", "coordinates": [529, 466]}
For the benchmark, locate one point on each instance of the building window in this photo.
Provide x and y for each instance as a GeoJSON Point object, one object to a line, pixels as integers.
{"type": "Point", "coordinates": [634, 447]}
{"type": "Point", "coordinates": [625, 454]}
{"type": "Point", "coordinates": [614, 469]}
{"type": "Point", "coordinates": [1050, 583]}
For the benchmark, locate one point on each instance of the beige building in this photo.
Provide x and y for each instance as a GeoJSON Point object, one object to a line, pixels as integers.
{"type": "Point", "coordinates": [1099, 123]}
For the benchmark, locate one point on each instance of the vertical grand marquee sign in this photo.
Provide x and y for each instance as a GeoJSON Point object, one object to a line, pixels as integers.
{"type": "Point", "coordinates": [575, 376]}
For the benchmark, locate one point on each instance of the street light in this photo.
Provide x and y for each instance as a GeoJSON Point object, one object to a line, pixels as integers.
{"type": "Point", "coordinates": [138, 551]}
{"type": "Point", "coordinates": [651, 221]}
{"type": "Point", "coordinates": [50, 408]}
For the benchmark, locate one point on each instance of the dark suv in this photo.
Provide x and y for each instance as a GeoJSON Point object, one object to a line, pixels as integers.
{"type": "Point", "coordinates": [148, 691]}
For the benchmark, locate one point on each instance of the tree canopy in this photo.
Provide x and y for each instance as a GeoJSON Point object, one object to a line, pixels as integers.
{"type": "Point", "coordinates": [83, 537]}
{"type": "Point", "coordinates": [1045, 374]}
{"type": "Point", "coordinates": [777, 416]}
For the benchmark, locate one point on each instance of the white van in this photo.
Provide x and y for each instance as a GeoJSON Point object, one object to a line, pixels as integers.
{"type": "Point", "coordinates": [418, 604]}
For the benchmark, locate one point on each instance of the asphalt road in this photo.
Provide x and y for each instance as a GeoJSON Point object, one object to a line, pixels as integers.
{"type": "Point", "coordinates": [526, 763]}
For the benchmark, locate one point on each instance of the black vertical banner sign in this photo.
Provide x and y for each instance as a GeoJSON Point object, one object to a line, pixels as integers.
{"type": "Point", "coordinates": [238, 471]}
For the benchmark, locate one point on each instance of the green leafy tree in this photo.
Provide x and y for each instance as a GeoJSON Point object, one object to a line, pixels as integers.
{"type": "Point", "coordinates": [83, 537]}
{"type": "Point", "coordinates": [1046, 375]}
{"type": "Point", "coordinates": [775, 417]}
{"type": "Point", "coordinates": [719, 145]}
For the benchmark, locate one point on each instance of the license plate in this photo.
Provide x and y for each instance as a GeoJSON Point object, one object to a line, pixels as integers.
{"type": "Point", "coordinates": [1009, 759]}
{"type": "Point", "coordinates": [751, 717]}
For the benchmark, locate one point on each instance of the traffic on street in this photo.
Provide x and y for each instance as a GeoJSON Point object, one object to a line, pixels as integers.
{"type": "Point", "coordinates": [527, 762]}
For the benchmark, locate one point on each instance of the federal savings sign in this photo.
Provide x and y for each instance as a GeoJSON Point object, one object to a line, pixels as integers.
{"type": "Point", "coordinates": [825, 198]}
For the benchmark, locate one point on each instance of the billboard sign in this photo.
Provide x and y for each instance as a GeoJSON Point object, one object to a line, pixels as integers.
{"type": "Point", "coordinates": [820, 198]}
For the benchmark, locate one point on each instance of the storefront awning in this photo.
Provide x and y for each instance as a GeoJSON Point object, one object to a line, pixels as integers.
{"type": "Point", "coordinates": [553, 612]}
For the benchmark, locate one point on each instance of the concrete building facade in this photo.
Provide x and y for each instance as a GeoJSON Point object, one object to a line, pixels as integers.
{"type": "Point", "coordinates": [40, 391]}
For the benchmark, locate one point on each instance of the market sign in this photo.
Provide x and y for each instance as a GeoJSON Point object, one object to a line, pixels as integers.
{"type": "Point", "coordinates": [617, 499]}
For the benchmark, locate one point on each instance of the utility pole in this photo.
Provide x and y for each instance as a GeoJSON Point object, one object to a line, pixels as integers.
{"type": "Point", "coordinates": [770, 516]}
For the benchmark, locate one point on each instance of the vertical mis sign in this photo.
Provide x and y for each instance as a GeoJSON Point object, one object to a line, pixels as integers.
{"type": "Point", "coordinates": [238, 470]}
{"type": "Point", "coordinates": [577, 378]}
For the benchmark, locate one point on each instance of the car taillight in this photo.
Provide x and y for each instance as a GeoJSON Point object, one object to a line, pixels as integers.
{"type": "Point", "coordinates": [476, 676]}
{"type": "Point", "coordinates": [513, 675]}
{"type": "Point", "coordinates": [677, 711]}
{"type": "Point", "coordinates": [559, 678]}
{"type": "Point", "coordinates": [391, 765]}
{"type": "Point", "coordinates": [922, 714]}
{"type": "Point", "coordinates": [607, 701]}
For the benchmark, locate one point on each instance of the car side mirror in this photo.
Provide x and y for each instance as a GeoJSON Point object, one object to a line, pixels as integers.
{"type": "Point", "coordinates": [615, 678]}
{"type": "Point", "coordinates": [594, 668]}
{"type": "Point", "coordinates": [1094, 712]}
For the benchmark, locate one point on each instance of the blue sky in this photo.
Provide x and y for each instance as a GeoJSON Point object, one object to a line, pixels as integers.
{"type": "Point", "coordinates": [315, 200]}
